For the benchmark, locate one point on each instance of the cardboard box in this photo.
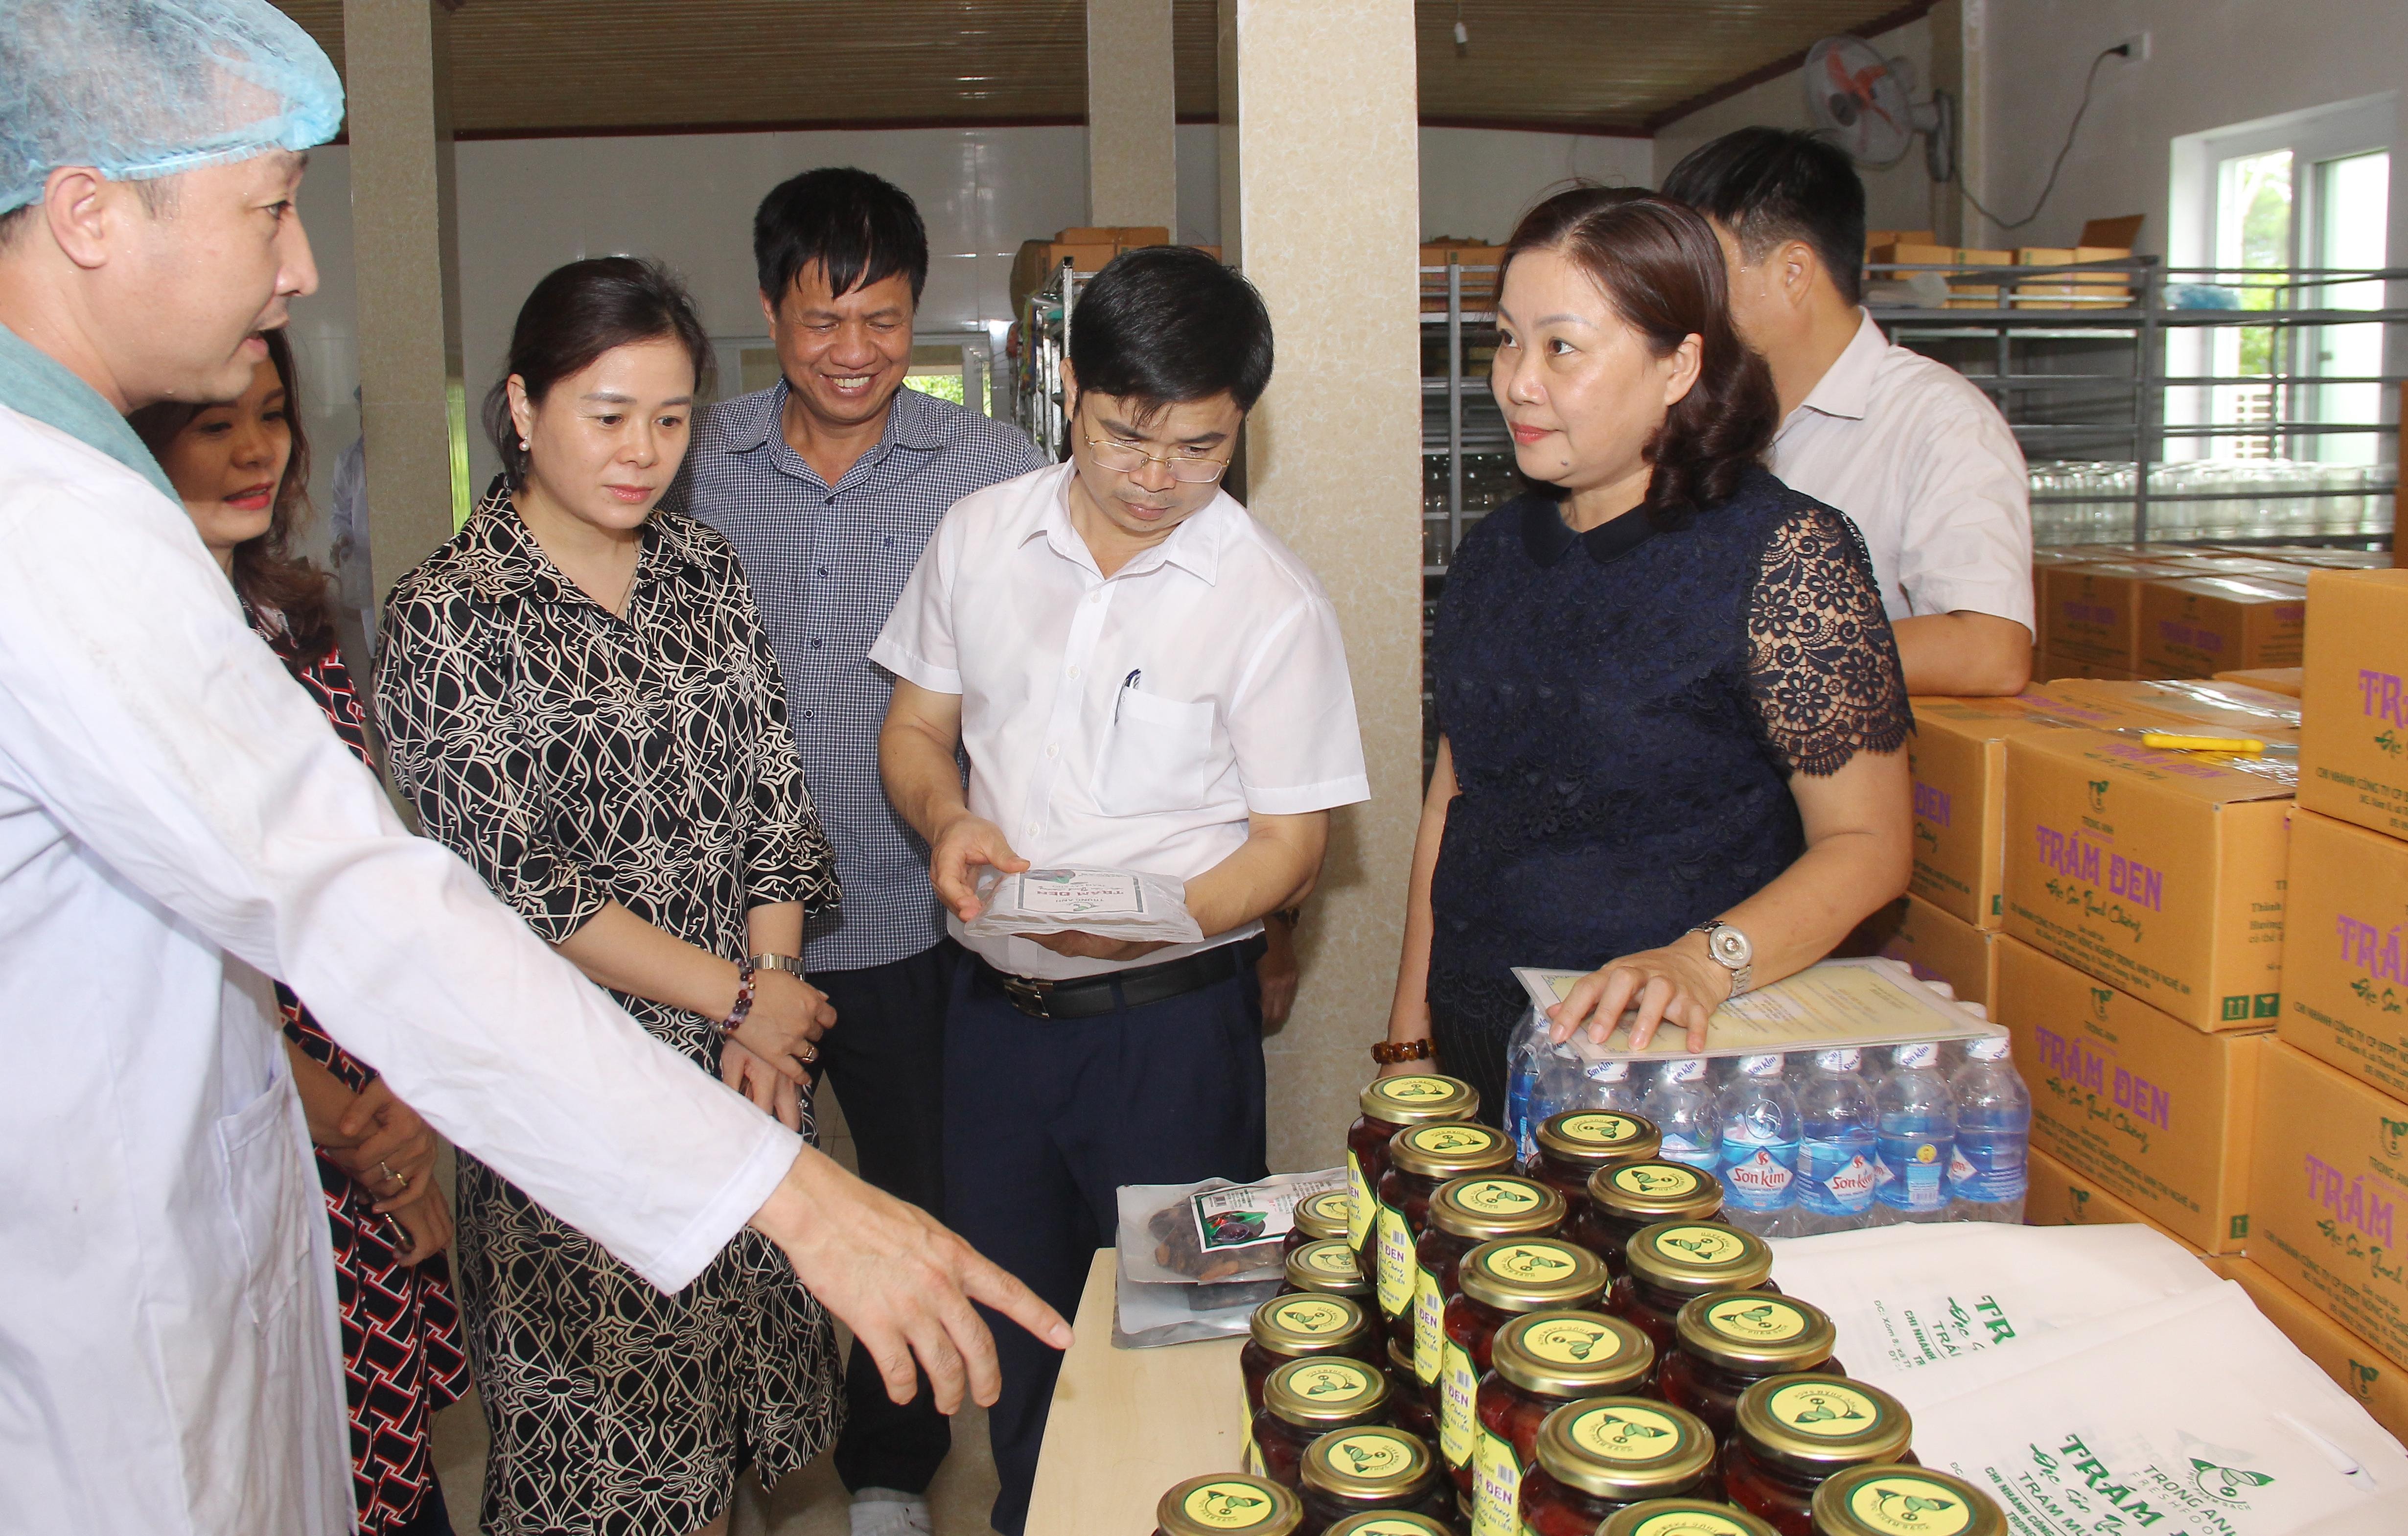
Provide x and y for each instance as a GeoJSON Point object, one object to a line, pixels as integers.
{"type": "Point", "coordinates": [2060, 1196]}
{"type": "Point", "coordinates": [2159, 872]}
{"type": "Point", "coordinates": [2200, 625]}
{"type": "Point", "coordinates": [2154, 1110]}
{"type": "Point", "coordinates": [2374, 1380]}
{"type": "Point", "coordinates": [1119, 234]}
{"type": "Point", "coordinates": [1935, 946]}
{"type": "Point", "coordinates": [1877, 237]}
{"type": "Point", "coordinates": [2233, 707]}
{"type": "Point", "coordinates": [2344, 982]}
{"type": "Point", "coordinates": [2052, 668]}
{"type": "Point", "coordinates": [2353, 696]}
{"type": "Point", "coordinates": [2272, 680]}
{"type": "Point", "coordinates": [1957, 758]}
{"type": "Point", "coordinates": [2094, 611]}
{"type": "Point", "coordinates": [2328, 1192]}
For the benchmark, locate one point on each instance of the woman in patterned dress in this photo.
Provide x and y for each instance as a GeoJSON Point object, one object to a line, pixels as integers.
{"type": "Point", "coordinates": [579, 699]}
{"type": "Point", "coordinates": [242, 469]}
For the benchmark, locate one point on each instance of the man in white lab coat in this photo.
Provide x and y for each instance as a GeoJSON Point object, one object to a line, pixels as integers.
{"type": "Point", "coordinates": [176, 823]}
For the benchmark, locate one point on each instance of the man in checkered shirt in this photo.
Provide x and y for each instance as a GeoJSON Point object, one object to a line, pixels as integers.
{"type": "Point", "coordinates": [829, 484]}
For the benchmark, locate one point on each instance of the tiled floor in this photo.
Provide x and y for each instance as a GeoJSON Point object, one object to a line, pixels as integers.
{"type": "Point", "coordinates": [811, 1502]}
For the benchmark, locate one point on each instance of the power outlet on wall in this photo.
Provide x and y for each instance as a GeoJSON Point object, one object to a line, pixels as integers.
{"type": "Point", "coordinates": [2134, 48]}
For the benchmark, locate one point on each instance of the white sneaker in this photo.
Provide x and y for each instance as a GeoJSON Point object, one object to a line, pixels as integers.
{"type": "Point", "coordinates": [883, 1511]}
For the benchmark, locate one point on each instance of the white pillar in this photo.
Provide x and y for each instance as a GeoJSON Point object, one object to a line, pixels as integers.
{"type": "Point", "coordinates": [1320, 169]}
{"type": "Point", "coordinates": [1132, 115]}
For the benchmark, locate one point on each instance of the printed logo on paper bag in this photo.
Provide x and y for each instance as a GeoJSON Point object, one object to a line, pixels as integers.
{"type": "Point", "coordinates": [1226, 1506]}
{"type": "Point", "coordinates": [1623, 1433]}
{"type": "Point", "coordinates": [1567, 1341]}
{"type": "Point", "coordinates": [1823, 1408]}
{"type": "Point", "coordinates": [2227, 1485]}
{"type": "Point", "coordinates": [1909, 1506]}
{"type": "Point", "coordinates": [1757, 1321]}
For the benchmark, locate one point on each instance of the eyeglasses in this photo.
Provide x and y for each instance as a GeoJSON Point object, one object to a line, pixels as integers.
{"type": "Point", "coordinates": [1129, 458]}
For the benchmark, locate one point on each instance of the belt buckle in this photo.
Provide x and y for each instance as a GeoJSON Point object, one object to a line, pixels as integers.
{"type": "Point", "coordinates": [1029, 994]}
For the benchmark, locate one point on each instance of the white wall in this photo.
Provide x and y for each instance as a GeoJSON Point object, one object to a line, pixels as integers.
{"type": "Point", "coordinates": [1478, 183]}
{"type": "Point", "coordinates": [1896, 197]}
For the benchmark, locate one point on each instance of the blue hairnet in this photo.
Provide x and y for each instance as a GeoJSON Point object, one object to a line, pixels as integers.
{"type": "Point", "coordinates": [139, 89]}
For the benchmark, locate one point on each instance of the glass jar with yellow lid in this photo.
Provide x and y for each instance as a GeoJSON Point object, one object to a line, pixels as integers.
{"type": "Point", "coordinates": [1796, 1433]}
{"type": "Point", "coordinates": [1360, 1472]}
{"type": "Point", "coordinates": [1327, 1266]}
{"type": "Point", "coordinates": [1226, 1504]}
{"type": "Point", "coordinates": [1576, 1143]}
{"type": "Point", "coordinates": [1726, 1341]}
{"type": "Point", "coordinates": [1539, 1362]}
{"type": "Point", "coordinates": [1668, 1264]}
{"type": "Point", "coordinates": [1318, 1216]}
{"type": "Point", "coordinates": [1683, 1518]}
{"type": "Point", "coordinates": [1497, 1281]}
{"type": "Point", "coordinates": [1303, 1325]}
{"type": "Point", "coordinates": [1421, 1158]}
{"type": "Point", "coordinates": [1600, 1455]}
{"type": "Point", "coordinates": [1389, 1105]}
{"type": "Point", "coordinates": [1304, 1399]}
{"type": "Point", "coordinates": [1409, 1407]}
{"type": "Point", "coordinates": [1622, 1197]}
{"type": "Point", "coordinates": [1463, 1214]}
{"type": "Point", "coordinates": [1904, 1501]}
{"type": "Point", "coordinates": [1390, 1522]}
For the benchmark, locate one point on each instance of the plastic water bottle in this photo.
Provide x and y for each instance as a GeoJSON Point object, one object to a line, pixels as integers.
{"type": "Point", "coordinates": [1527, 1054]}
{"type": "Point", "coordinates": [1987, 1177]}
{"type": "Point", "coordinates": [1837, 1160]}
{"type": "Point", "coordinates": [1915, 1131]}
{"type": "Point", "coordinates": [1758, 1118]}
{"type": "Point", "coordinates": [1682, 1104]}
{"type": "Point", "coordinates": [1608, 1085]}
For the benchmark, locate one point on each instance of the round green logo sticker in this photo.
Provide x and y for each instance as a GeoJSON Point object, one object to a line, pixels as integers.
{"type": "Point", "coordinates": [1227, 1506]}
{"type": "Point", "coordinates": [1689, 1522]}
{"type": "Point", "coordinates": [1414, 1090]}
{"type": "Point", "coordinates": [1526, 1261]}
{"type": "Point", "coordinates": [1451, 1137]}
{"type": "Point", "coordinates": [1568, 1340]}
{"type": "Point", "coordinates": [1656, 1180]}
{"type": "Point", "coordinates": [1599, 1129]}
{"type": "Point", "coordinates": [1330, 1380]}
{"type": "Point", "coordinates": [1702, 1245]}
{"type": "Point", "coordinates": [1495, 1197]}
{"type": "Point", "coordinates": [1909, 1506]}
{"type": "Point", "coordinates": [1757, 1320]}
{"type": "Point", "coordinates": [1307, 1315]}
{"type": "Point", "coordinates": [1625, 1433]}
{"type": "Point", "coordinates": [1371, 1453]}
{"type": "Point", "coordinates": [1331, 1258]}
{"type": "Point", "coordinates": [1823, 1409]}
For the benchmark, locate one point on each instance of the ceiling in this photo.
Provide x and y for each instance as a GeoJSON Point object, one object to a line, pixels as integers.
{"type": "Point", "coordinates": [522, 67]}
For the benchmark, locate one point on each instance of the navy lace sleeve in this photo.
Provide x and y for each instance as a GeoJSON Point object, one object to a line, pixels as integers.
{"type": "Point", "coordinates": [1822, 668]}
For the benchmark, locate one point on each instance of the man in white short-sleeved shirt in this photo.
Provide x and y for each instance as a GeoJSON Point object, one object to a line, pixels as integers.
{"type": "Point", "coordinates": [1142, 679]}
{"type": "Point", "coordinates": [1917, 457]}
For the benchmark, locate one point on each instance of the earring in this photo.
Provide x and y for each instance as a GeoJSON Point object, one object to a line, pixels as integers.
{"type": "Point", "coordinates": [523, 445]}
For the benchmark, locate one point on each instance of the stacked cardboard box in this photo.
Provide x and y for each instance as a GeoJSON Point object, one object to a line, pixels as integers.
{"type": "Point", "coordinates": [1981, 289]}
{"type": "Point", "coordinates": [1478, 281]}
{"type": "Point", "coordinates": [2073, 290]}
{"type": "Point", "coordinates": [1086, 248]}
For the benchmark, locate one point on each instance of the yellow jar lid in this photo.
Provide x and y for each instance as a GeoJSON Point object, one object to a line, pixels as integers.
{"type": "Point", "coordinates": [1308, 1323]}
{"type": "Point", "coordinates": [1756, 1331]}
{"type": "Point", "coordinates": [1625, 1447]}
{"type": "Point", "coordinates": [1325, 1215]}
{"type": "Point", "coordinates": [1654, 1190]}
{"type": "Point", "coordinates": [1373, 1462]}
{"type": "Point", "coordinates": [1683, 1518]}
{"type": "Point", "coordinates": [1328, 1392]}
{"type": "Point", "coordinates": [1821, 1423]}
{"type": "Point", "coordinates": [1417, 1098]}
{"type": "Point", "coordinates": [1904, 1501]}
{"type": "Point", "coordinates": [1450, 1148]}
{"type": "Point", "coordinates": [1571, 1354]}
{"type": "Point", "coordinates": [1389, 1522]}
{"type": "Point", "coordinates": [1495, 1205]}
{"type": "Point", "coordinates": [1226, 1503]}
{"type": "Point", "coordinates": [1693, 1256]}
{"type": "Point", "coordinates": [1599, 1137]}
{"type": "Point", "coordinates": [1328, 1266]}
{"type": "Point", "coordinates": [1527, 1274]}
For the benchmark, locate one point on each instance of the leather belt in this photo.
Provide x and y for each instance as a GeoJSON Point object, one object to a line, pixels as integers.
{"type": "Point", "coordinates": [1086, 996]}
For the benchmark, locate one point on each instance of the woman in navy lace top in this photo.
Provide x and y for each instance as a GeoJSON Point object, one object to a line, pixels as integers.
{"type": "Point", "coordinates": [1669, 700]}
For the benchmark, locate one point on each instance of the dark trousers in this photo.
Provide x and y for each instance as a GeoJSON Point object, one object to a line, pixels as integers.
{"type": "Point", "coordinates": [1050, 1118]}
{"type": "Point", "coordinates": [885, 1060]}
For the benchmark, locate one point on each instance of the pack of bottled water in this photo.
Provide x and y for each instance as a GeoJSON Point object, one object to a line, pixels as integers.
{"type": "Point", "coordinates": [1816, 1141]}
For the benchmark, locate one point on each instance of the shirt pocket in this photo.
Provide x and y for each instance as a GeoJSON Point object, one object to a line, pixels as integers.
{"type": "Point", "coordinates": [267, 1201]}
{"type": "Point", "coordinates": [1157, 756]}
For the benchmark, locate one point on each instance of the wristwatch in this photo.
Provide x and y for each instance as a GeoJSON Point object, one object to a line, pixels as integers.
{"type": "Point", "coordinates": [1730, 949]}
{"type": "Point", "coordinates": [792, 965]}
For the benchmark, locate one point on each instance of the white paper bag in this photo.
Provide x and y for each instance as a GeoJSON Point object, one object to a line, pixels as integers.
{"type": "Point", "coordinates": [1126, 904]}
{"type": "Point", "coordinates": [1906, 1297]}
{"type": "Point", "coordinates": [2189, 1416]}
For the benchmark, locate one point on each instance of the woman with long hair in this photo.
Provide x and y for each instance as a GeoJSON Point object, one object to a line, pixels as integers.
{"type": "Point", "coordinates": [581, 702]}
{"type": "Point", "coordinates": [1671, 709]}
{"type": "Point", "coordinates": [242, 469]}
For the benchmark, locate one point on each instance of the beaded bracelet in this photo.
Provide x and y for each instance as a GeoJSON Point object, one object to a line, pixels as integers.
{"type": "Point", "coordinates": [743, 1009]}
{"type": "Point", "coordinates": [1387, 1053]}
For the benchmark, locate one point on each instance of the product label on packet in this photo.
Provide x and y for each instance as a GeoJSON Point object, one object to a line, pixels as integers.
{"type": "Point", "coordinates": [1495, 1486]}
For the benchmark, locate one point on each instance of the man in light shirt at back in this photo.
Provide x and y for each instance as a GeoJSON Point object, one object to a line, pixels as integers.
{"type": "Point", "coordinates": [1142, 677]}
{"type": "Point", "coordinates": [1907, 447]}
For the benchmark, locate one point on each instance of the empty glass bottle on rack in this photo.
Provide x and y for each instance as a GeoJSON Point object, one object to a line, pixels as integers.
{"type": "Point", "coordinates": [1757, 1117]}
{"type": "Point", "coordinates": [1915, 1131]}
{"type": "Point", "coordinates": [1682, 1104]}
{"type": "Point", "coordinates": [1837, 1169]}
{"type": "Point", "coordinates": [1987, 1177]}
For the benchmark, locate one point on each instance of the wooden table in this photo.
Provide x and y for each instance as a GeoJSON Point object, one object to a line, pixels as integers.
{"type": "Point", "coordinates": [1126, 1424]}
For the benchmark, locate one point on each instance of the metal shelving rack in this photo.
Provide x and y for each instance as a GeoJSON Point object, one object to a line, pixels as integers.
{"type": "Point", "coordinates": [1459, 420]}
{"type": "Point", "coordinates": [2126, 404]}
{"type": "Point", "coordinates": [1037, 373]}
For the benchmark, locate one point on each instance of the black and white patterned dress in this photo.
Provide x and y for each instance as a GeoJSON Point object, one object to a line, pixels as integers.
{"type": "Point", "coordinates": [574, 757]}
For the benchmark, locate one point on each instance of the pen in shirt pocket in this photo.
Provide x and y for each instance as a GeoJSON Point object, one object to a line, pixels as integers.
{"type": "Point", "coordinates": [1135, 673]}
